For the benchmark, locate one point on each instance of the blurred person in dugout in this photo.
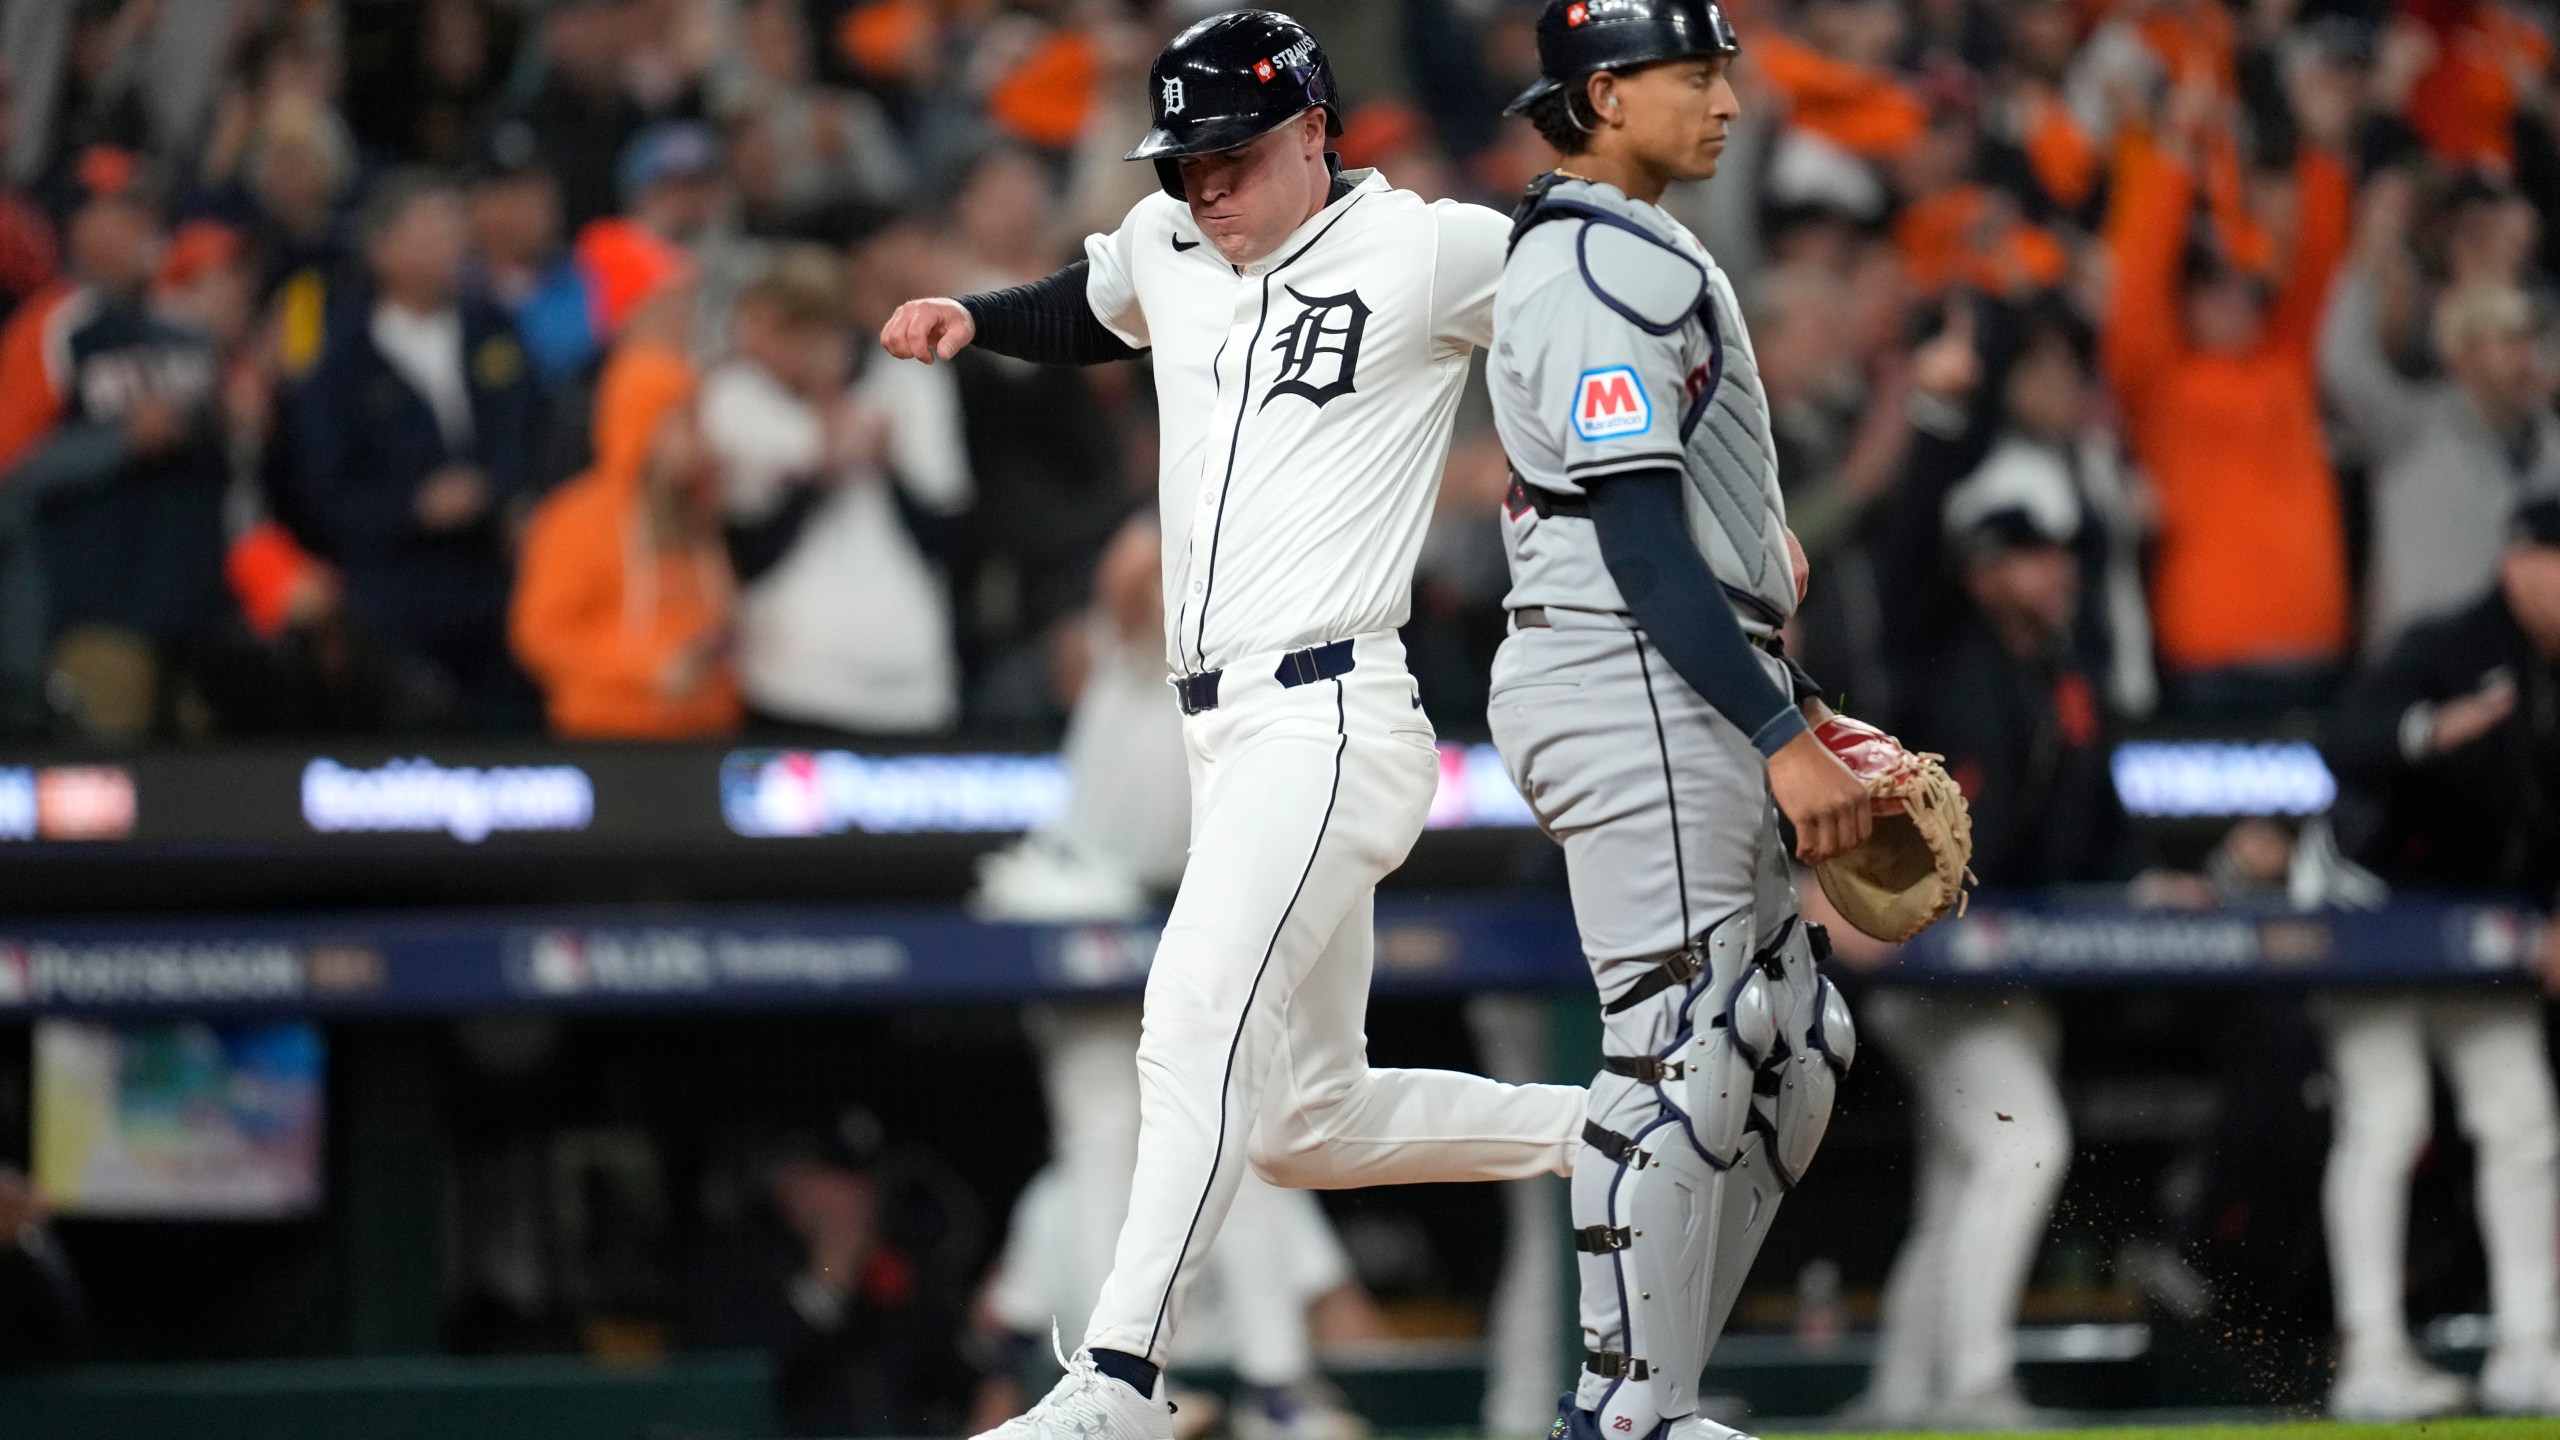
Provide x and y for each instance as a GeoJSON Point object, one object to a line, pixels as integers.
{"type": "Point", "coordinates": [827, 487]}
{"type": "Point", "coordinates": [1116, 854]}
{"type": "Point", "coordinates": [43, 1313]}
{"type": "Point", "coordinates": [2450, 748]}
{"type": "Point", "coordinates": [624, 598]}
{"type": "Point", "coordinates": [2017, 709]}
{"type": "Point", "coordinates": [812, 1272]}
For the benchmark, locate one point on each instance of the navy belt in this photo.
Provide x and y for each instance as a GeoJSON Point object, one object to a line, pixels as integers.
{"type": "Point", "coordinates": [1299, 667]}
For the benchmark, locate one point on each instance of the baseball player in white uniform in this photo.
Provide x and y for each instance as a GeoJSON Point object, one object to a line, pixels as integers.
{"type": "Point", "coordinates": [1644, 710]}
{"type": "Point", "coordinates": [1120, 844]}
{"type": "Point", "coordinates": [1311, 332]}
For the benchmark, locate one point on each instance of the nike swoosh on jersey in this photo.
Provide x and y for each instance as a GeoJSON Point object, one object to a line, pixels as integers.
{"type": "Point", "coordinates": [1180, 244]}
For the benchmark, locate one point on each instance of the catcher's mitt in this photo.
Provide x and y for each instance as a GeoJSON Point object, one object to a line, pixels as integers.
{"type": "Point", "coordinates": [1912, 869]}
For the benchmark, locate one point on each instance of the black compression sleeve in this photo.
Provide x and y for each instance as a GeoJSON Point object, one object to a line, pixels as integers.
{"type": "Point", "coordinates": [1644, 538]}
{"type": "Point", "coordinates": [1046, 321]}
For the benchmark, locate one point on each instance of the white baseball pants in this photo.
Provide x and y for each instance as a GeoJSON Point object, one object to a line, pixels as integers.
{"type": "Point", "coordinates": [1993, 1143]}
{"type": "Point", "coordinates": [2492, 1049]}
{"type": "Point", "coordinates": [1255, 1044]}
{"type": "Point", "coordinates": [1280, 1255]}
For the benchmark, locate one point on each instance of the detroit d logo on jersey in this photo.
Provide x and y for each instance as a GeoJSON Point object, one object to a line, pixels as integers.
{"type": "Point", "coordinates": [1320, 349]}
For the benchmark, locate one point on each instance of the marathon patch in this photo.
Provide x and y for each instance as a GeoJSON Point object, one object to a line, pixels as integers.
{"type": "Point", "coordinates": [1610, 403]}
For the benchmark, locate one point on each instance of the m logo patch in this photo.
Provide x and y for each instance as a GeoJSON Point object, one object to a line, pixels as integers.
{"type": "Point", "coordinates": [1610, 403]}
{"type": "Point", "coordinates": [1320, 350]}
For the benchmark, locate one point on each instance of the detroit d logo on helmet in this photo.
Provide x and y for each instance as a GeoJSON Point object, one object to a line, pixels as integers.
{"type": "Point", "coordinates": [1173, 98]}
{"type": "Point", "coordinates": [1320, 349]}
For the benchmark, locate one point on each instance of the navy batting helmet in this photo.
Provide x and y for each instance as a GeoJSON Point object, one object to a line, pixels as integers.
{"type": "Point", "coordinates": [1580, 38]}
{"type": "Point", "coordinates": [1228, 79]}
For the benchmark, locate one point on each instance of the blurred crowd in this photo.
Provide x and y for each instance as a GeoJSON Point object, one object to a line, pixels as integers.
{"type": "Point", "coordinates": [2207, 337]}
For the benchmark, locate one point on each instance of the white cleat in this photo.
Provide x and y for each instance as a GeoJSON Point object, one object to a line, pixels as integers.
{"type": "Point", "coordinates": [2395, 1388]}
{"type": "Point", "coordinates": [1878, 1410]}
{"type": "Point", "coordinates": [2521, 1382]}
{"type": "Point", "coordinates": [1699, 1427]}
{"type": "Point", "coordinates": [1086, 1404]}
{"type": "Point", "coordinates": [1999, 1407]}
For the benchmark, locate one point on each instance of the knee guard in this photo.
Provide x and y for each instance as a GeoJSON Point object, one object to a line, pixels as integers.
{"type": "Point", "coordinates": [1816, 1042]}
{"type": "Point", "coordinates": [1670, 1112]}
{"type": "Point", "coordinates": [1791, 1107]}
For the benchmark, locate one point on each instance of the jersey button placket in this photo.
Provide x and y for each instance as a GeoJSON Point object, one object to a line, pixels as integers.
{"type": "Point", "coordinates": [1231, 372]}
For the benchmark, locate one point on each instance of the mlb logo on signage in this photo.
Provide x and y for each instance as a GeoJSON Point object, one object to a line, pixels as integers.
{"type": "Point", "coordinates": [1609, 403]}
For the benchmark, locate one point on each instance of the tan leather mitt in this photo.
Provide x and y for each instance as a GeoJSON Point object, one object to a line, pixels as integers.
{"type": "Point", "coordinates": [1913, 867]}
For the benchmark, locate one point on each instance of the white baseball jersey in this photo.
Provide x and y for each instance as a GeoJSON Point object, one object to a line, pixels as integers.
{"type": "Point", "coordinates": [1305, 402]}
{"type": "Point", "coordinates": [1620, 347]}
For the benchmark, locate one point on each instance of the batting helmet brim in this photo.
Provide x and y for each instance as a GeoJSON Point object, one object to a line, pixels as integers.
{"type": "Point", "coordinates": [1226, 132]}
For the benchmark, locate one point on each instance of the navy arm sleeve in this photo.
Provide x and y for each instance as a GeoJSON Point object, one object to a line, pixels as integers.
{"type": "Point", "coordinates": [1644, 539]}
{"type": "Point", "coordinates": [1046, 322]}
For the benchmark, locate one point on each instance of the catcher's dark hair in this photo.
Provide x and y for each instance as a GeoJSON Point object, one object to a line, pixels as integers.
{"type": "Point", "coordinates": [1555, 117]}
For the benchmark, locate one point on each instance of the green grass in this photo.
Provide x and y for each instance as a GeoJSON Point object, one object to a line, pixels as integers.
{"type": "Point", "coordinates": [2295, 1431]}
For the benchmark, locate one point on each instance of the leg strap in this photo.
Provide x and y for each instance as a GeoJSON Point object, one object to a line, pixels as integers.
{"type": "Point", "coordinates": [1612, 1144]}
{"type": "Point", "coordinates": [1677, 968]}
{"type": "Point", "coordinates": [1615, 1365]}
{"type": "Point", "coordinates": [1601, 1239]}
{"type": "Point", "coordinates": [1645, 1069]}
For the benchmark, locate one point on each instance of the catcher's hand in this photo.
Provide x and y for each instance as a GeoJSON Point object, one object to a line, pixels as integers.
{"type": "Point", "coordinates": [1820, 797]}
{"type": "Point", "coordinates": [1911, 868]}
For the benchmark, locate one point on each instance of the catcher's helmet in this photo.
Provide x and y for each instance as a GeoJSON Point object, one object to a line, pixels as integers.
{"type": "Point", "coordinates": [1579, 38]}
{"type": "Point", "coordinates": [1228, 79]}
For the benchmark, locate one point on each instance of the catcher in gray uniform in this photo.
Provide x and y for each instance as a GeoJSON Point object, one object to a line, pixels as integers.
{"type": "Point", "coordinates": [1644, 708]}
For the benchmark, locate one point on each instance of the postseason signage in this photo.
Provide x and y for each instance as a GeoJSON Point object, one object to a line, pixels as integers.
{"type": "Point", "coordinates": [462, 799]}
{"type": "Point", "coordinates": [762, 957]}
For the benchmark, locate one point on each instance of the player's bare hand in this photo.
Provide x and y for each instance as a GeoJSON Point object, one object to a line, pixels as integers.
{"type": "Point", "coordinates": [2460, 722]}
{"type": "Point", "coordinates": [1826, 804]}
{"type": "Point", "coordinates": [928, 330]}
{"type": "Point", "coordinates": [1800, 568]}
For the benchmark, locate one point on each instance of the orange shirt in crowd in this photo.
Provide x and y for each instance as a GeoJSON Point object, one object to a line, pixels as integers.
{"type": "Point", "coordinates": [2252, 564]}
{"type": "Point", "coordinates": [2065, 160]}
{"type": "Point", "coordinates": [2196, 41]}
{"type": "Point", "coordinates": [31, 380]}
{"type": "Point", "coordinates": [1973, 235]}
{"type": "Point", "coordinates": [600, 612]}
{"type": "Point", "coordinates": [1861, 109]}
{"type": "Point", "coordinates": [2464, 105]}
